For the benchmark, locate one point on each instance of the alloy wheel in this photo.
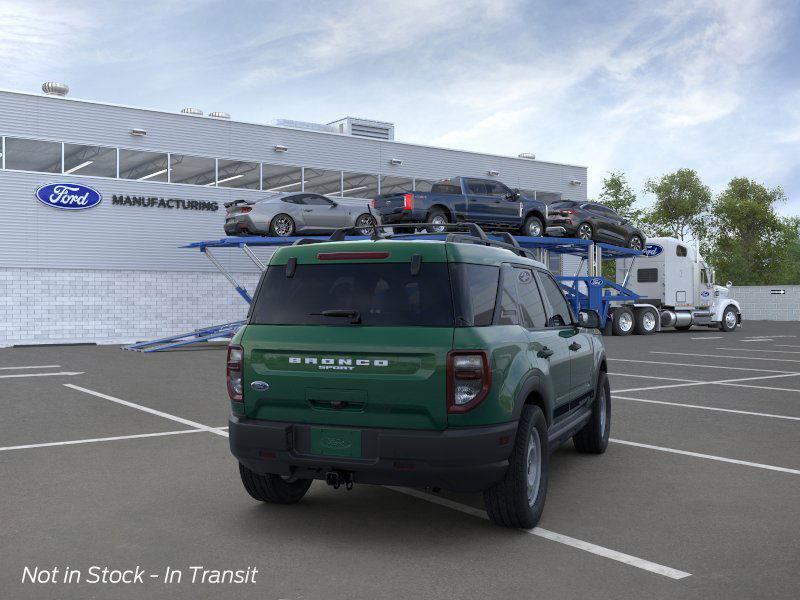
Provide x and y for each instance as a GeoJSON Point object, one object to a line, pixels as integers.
{"type": "Point", "coordinates": [585, 232]}
{"type": "Point", "coordinates": [635, 243]}
{"type": "Point", "coordinates": [282, 226]}
{"type": "Point", "coordinates": [534, 228]}
{"type": "Point", "coordinates": [365, 224]}
{"type": "Point", "coordinates": [439, 223]}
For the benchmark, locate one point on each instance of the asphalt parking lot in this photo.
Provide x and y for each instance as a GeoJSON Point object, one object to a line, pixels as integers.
{"type": "Point", "coordinates": [115, 458]}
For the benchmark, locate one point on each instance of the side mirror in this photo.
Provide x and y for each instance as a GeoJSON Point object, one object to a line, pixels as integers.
{"type": "Point", "coordinates": [334, 204]}
{"type": "Point", "coordinates": [589, 319]}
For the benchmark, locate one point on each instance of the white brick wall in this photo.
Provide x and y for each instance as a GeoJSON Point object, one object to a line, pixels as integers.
{"type": "Point", "coordinates": [47, 306]}
{"type": "Point", "coordinates": [759, 304]}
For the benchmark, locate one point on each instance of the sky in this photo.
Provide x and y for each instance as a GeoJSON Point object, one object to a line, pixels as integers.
{"type": "Point", "coordinates": [639, 87]}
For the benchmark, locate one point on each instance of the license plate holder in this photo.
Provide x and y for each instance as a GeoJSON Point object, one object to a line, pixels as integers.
{"type": "Point", "coordinates": [329, 441]}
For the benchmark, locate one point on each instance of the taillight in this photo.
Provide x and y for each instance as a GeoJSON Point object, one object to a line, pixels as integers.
{"type": "Point", "coordinates": [568, 212]}
{"type": "Point", "coordinates": [234, 372]}
{"type": "Point", "coordinates": [373, 203]}
{"type": "Point", "coordinates": [468, 379]}
{"type": "Point", "coordinates": [246, 209]}
{"type": "Point", "coordinates": [408, 201]}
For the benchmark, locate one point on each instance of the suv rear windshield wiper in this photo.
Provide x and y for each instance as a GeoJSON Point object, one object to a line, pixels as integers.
{"type": "Point", "coordinates": [353, 315]}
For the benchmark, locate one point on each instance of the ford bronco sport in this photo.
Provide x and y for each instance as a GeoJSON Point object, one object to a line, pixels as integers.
{"type": "Point", "coordinates": [440, 361]}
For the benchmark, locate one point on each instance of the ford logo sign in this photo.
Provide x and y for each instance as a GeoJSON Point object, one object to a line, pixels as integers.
{"type": "Point", "coordinates": [68, 196]}
{"type": "Point", "coordinates": [595, 282]}
{"type": "Point", "coordinates": [652, 250]}
{"type": "Point", "coordinates": [705, 294]}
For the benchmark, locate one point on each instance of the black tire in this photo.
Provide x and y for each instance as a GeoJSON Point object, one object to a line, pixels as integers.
{"type": "Point", "coordinates": [273, 488]}
{"type": "Point", "coordinates": [361, 222]}
{"type": "Point", "coordinates": [276, 225]}
{"type": "Point", "coordinates": [584, 231]}
{"type": "Point", "coordinates": [510, 503]}
{"type": "Point", "coordinates": [729, 323]}
{"type": "Point", "coordinates": [533, 227]}
{"type": "Point", "coordinates": [437, 215]}
{"type": "Point", "coordinates": [636, 242]}
{"type": "Point", "coordinates": [645, 321]}
{"type": "Point", "coordinates": [623, 321]}
{"type": "Point", "coordinates": [593, 437]}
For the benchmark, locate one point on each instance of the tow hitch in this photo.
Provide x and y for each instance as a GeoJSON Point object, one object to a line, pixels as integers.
{"type": "Point", "coordinates": [337, 478]}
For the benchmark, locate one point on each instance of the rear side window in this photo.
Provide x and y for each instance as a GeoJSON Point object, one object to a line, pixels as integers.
{"type": "Point", "coordinates": [530, 301]}
{"type": "Point", "coordinates": [384, 295]}
{"type": "Point", "coordinates": [561, 314]}
{"type": "Point", "coordinates": [647, 275]}
{"type": "Point", "coordinates": [507, 304]}
{"type": "Point", "coordinates": [474, 293]}
{"type": "Point", "coordinates": [476, 186]}
{"type": "Point", "coordinates": [446, 187]}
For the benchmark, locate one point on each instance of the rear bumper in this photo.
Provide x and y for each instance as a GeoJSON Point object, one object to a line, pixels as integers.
{"type": "Point", "coordinates": [244, 225]}
{"type": "Point", "coordinates": [460, 459]}
{"type": "Point", "coordinates": [398, 215]}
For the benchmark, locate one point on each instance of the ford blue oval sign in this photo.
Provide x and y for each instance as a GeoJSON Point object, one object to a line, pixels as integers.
{"type": "Point", "coordinates": [595, 282]}
{"type": "Point", "coordinates": [68, 196]}
{"type": "Point", "coordinates": [652, 250]}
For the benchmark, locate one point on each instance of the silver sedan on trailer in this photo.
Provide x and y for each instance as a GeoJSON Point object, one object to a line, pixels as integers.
{"type": "Point", "coordinates": [287, 214]}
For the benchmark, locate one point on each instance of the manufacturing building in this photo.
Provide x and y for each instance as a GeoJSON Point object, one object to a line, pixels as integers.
{"type": "Point", "coordinates": [112, 269]}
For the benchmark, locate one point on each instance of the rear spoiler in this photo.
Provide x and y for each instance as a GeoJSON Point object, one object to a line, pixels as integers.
{"type": "Point", "coordinates": [238, 203]}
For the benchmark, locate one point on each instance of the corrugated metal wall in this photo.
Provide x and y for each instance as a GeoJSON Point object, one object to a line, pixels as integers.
{"type": "Point", "coordinates": [124, 237]}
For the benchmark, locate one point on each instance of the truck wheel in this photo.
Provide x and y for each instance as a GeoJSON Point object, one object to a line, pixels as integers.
{"type": "Point", "coordinates": [645, 323]}
{"type": "Point", "coordinates": [273, 488]}
{"type": "Point", "coordinates": [623, 321]}
{"type": "Point", "coordinates": [729, 319]}
{"type": "Point", "coordinates": [518, 500]}
{"type": "Point", "coordinates": [437, 219]}
{"type": "Point", "coordinates": [533, 227]}
{"type": "Point", "coordinates": [593, 437]}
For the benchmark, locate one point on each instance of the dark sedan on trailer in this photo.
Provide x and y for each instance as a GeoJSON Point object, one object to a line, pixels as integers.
{"type": "Point", "coordinates": [592, 221]}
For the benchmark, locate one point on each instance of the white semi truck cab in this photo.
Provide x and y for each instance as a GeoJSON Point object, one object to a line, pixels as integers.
{"type": "Point", "coordinates": [676, 289]}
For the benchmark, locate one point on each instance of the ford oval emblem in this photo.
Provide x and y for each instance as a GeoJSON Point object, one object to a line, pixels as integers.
{"type": "Point", "coordinates": [259, 386]}
{"type": "Point", "coordinates": [652, 250]}
{"type": "Point", "coordinates": [595, 282]}
{"type": "Point", "coordinates": [705, 294]}
{"type": "Point", "coordinates": [68, 196]}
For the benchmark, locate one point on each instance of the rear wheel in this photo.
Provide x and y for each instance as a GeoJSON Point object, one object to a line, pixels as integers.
{"type": "Point", "coordinates": [729, 319]}
{"type": "Point", "coordinates": [623, 321]}
{"type": "Point", "coordinates": [282, 225]}
{"type": "Point", "coordinates": [273, 488]}
{"type": "Point", "coordinates": [438, 221]}
{"type": "Point", "coordinates": [365, 224]}
{"type": "Point", "coordinates": [584, 231]}
{"type": "Point", "coordinates": [645, 322]}
{"type": "Point", "coordinates": [593, 437]}
{"type": "Point", "coordinates": [533, 227]}
{"type": "Point", "coordinates": [518, 500]}
{"type": "Point", "coordinates": [635, 243]}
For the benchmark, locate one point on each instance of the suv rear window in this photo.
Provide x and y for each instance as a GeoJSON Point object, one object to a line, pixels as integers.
{"type": "Point", "coordinates": [474, 293]}
{"type": "Point", "coordinates": [385, 295]}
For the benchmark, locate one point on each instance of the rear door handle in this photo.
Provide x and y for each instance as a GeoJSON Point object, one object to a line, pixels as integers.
{"type": "Point", "coordinates": [545, 352]}
{"type": "Point", "coordinates": [308, 209]}
{"type": "Point", "coordinates": [574, 346]}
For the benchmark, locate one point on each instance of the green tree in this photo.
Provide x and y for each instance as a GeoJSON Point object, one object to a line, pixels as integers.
{"type": "Point", "coordinates": [749, 243]}
{"type": "Point", "coordinates": [681, 205]}
{"type": "Point", "coordinates": [618, 195]}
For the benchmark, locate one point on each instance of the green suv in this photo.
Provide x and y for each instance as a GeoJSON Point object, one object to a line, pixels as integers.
{"type": "Point", "coordinates": [453, 363]}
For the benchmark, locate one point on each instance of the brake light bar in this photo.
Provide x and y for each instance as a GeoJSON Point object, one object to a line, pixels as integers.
{"type": "Point", "coordinates": [408, 201]}
{"type": "Point", "coordinates": [568, 212]}
{"type": "Point", "coordinates": [351, 255]}
{"type": "Point", "coordinates": [469, 379]}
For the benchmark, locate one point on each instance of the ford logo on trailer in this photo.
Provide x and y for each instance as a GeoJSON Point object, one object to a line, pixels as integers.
{"type": "Point", "coordinates": [652, 250]}
{"type": "Point", "coordinates": [705, 293]}
{"type": "Point", "coordinates": [68, 196]}
{"type": "Point", "coordinates": [595, 282]}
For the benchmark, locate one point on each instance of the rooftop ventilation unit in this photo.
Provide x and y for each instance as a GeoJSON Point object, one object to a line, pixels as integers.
{"type": "Point", "coordinates": [303, 125]}
{"type": "Point", "coordinates": [376, 130]}
{"type": "Point", "coordinates": [192, 111]}
{"type": "Point", "coordinates": [527, 155]}
{"type": "Point", "coordinates": [219, 115]}
{"type": "Point", "coordinates": [51, 88]}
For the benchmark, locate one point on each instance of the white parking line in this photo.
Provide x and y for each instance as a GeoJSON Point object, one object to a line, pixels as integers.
{"type": "Point", "coordinates": [627, 559]}
{"type": "Point", "coordinates": [31, 367]}
{"type": "Point", "coordinates": [717, 382]}
{"type": "Point", "coordinates": [758, 350]}
{"type": "Point", "coordinates": [726, 356]}
{"type": "Point", "coordinates": [757, 340]}
{"type": "Point", "coordinates": [105, 439]}
{"type": "Point", "coordinates": [66, 373]}
{"type": "Point", "coordinates": [714, 408]}
{"type": "Point", "coordinates": [656, 377]}
{"type": "Point", "coordinates": [787, 346]}
{"type": "Point", "coordinates": [147, 409]}
{"type": "Point", "coordinates": [656, 362]}
{"type": "Point", "coordinates": [707, 456]}
{"type": "Point", "coordinates": [708, 337]}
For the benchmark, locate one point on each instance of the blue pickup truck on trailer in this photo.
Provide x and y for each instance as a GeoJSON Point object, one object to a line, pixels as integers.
{"type": "Point", "coordinates": [487, 202]}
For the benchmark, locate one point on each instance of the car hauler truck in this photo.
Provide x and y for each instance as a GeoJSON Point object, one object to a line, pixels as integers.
{"type": "Point", "coordinates": [676, 289]}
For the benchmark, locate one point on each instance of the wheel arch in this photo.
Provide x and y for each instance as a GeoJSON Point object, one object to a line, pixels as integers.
{"type": "Point", "coordinates": [535, 212]}
{"type": "Point", "coordinates": [444, 208]}
{"type": "Point", "coordinates": [533, 391]}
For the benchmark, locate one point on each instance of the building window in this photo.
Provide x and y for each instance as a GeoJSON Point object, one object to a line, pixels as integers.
{"type": "Point", "coordinates": [96, 161]}
{"type": "Point", "coordinates": [194, 170]}
{"type": "Point", "coordinates": [237, 174]}
{"type": "Point", "coordinates": [396, 185]}
{"type": "Point", "coordinates": [144, 166]}
{"type": "Point", "coordinates": [423, 185]}
{"type": "Point", "coordinates": [320, 181]}
{"type": "Point", "coordinates": [33, 155]}
{"type": "Point", "coordinates": [280, 178]}
{"type": "Point", "coordinates": [359, 185]}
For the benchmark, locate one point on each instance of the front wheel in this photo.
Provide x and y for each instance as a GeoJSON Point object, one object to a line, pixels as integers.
{"type": "Point", "coordinates": [365, 224]}
{"type": "Point", "coordinates": [729, 320]}
{"type": "Point", "coordinates": [273, 488]}
{"type": "Point", "coordinates": [533, 227]}
{"type": "Point", "coordinates": [593, 437]}
{"type": "Point", "coordinates": [623, 322]}
{"type": "Point", "coordinates": [518, 500]}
